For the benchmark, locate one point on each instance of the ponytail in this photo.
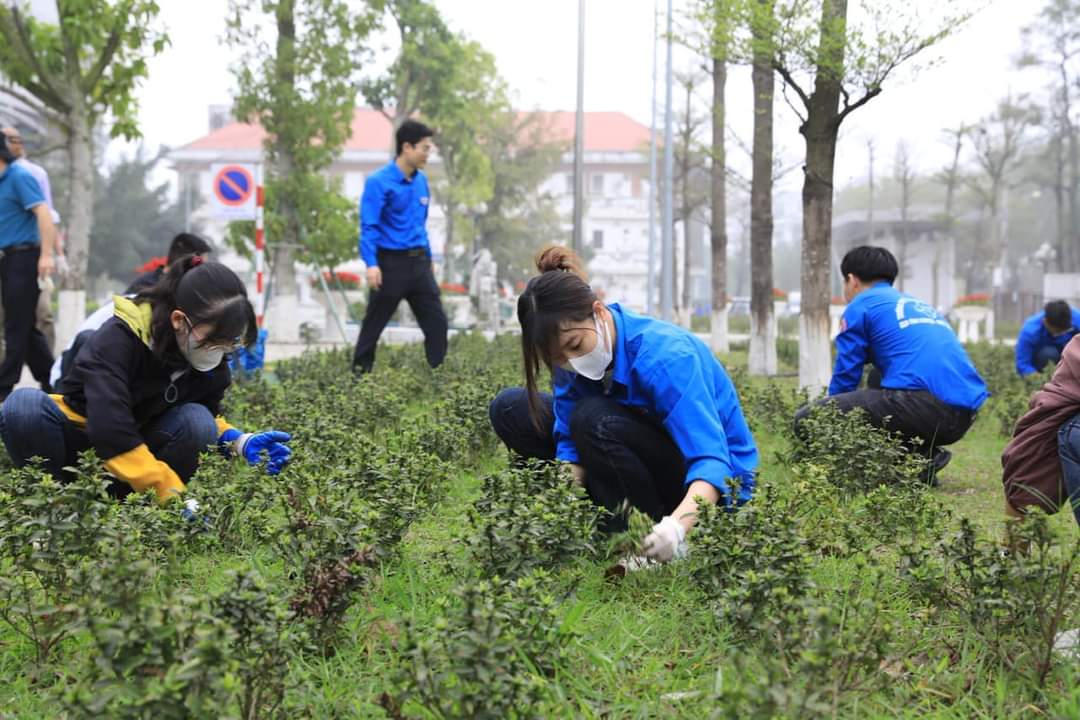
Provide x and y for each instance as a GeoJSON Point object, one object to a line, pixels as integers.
{"type": "Point", "coordinates": [558, 294]}
{"type": "Point", "coordinates": [208, 293]}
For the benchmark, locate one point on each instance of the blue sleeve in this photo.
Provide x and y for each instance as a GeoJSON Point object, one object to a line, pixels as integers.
{"type": "Point", "coordinates": [684, 401]}
{"type": "Point", "coordinates": [371, 206]}
{"type": "Point", "coordinates": [565, 399]}
{"type": "Point", "coordinates": [28, 190]}
{"type": "Point", "coordinates": [851, 352]}
{"type": "Point", "coordinates": [1076, 318]}
{"type": "Point", "coordinates": [1025, 349]}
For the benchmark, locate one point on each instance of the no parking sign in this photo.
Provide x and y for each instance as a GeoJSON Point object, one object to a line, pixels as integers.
{"type": "Point", "coordinates": [233, 191]}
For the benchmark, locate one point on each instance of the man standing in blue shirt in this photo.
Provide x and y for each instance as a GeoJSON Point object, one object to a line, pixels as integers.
{"type": "Point", "coordinates": [394, 246]}
{"type": "Point", "coordinates": [1044, 335]}
{"type": "Point", "coordinates": [27, 239]}
{"type": "Point", "coordinates": [928, 390]}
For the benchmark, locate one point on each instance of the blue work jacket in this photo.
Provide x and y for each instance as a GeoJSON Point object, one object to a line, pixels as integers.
{"type": "Point", "coordinates": [671, 375]}
{"type": "Point", "coordinates": [393, 213]}
{"type": "Point", "coordinates": [909, 343]}
{"type": "Point", "coordinates": [1034, 336]}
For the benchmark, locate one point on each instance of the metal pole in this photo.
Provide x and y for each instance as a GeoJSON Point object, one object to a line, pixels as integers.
{"type": "Point", "coordinates": [667, 291]}
{"type": "Point", "coordinates": [579, 133]}
{"type": "Point", "coordinates": [650, 282]}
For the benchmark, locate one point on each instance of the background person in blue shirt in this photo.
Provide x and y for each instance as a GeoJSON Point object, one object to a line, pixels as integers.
{"type": "Point", "coordinates": [928, 390]}
{"type": "Point", "coordinates": [394, 246]}
{"type": "Point", "coordinates": [642, 410]}
{"type": "Point", "coordinates": [1044, 335]}
{"type": "Point", "coordinates": [27, 238]}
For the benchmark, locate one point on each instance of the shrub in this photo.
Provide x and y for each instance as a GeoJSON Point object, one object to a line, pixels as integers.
{"type": "Point", "coordinates": [494, 648]}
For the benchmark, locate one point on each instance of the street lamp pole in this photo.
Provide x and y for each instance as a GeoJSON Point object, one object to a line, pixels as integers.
{"type": "Point", "coordinates": [579, 133]}
{"type": "Point", "coordinates": [667, 290]}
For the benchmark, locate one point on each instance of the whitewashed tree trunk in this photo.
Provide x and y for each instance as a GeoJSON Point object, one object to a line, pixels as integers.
{"type": "Point", "coordinates": [762, 360]}
{"type": "Point", "coordinates": [718, 336]}
{"type": "Point", "coordinates": [814, 352]}
{"type": "Point", "coordinates": [79, 219]}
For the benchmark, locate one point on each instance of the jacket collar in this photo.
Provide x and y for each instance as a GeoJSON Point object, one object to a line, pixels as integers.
{"type": "Point", "coordinates": [136, 316]}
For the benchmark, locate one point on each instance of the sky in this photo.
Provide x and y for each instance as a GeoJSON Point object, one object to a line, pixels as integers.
{"type": "Point", "coordinates": [534, 43]}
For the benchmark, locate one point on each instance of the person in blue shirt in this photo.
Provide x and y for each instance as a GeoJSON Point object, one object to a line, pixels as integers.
{"type": "Point", "coordinates": [642, 411]}
{"type": "Point", "coordinates": [1044, 335]}
{"type": "Point", "coordinates": [925, 388]}
{"type": "Point", "coordinates": [394, 246]}
{"type": "Point", "coordinates": [27, 239]}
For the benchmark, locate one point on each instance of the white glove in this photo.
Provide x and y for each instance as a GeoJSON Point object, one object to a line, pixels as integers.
{"type": "Point", "coordinates": [666, 541]}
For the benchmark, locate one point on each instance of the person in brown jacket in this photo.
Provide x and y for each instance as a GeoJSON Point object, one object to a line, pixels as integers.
{"type": "Point", "coordinates": [1042, 461]}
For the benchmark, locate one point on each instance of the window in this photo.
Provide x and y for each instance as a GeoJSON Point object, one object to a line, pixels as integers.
{"type": "Point", "coordinates": [596, 186]}
{"type": "Point", "coordinates": [598, 239]}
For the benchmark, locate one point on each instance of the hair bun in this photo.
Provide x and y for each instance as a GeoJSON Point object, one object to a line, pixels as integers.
{"type": "Point", "coordinates": [557, 257]}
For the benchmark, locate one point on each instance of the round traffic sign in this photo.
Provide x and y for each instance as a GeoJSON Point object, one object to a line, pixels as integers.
{"type": "Point", "coordinates": [234, 186]}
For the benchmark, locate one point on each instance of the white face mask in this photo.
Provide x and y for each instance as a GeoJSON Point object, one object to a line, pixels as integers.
{"type": "Point", "coordinates": [594, 363]}
{"type": "Point", "coordinates": [203, 359]}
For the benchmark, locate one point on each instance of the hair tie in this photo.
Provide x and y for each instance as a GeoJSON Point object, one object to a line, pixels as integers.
{"type": "Point", "coordinates": [196, 260]}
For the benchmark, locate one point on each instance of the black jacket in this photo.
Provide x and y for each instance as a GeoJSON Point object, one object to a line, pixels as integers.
{"type": "Point", "coordinates": [117, 386]}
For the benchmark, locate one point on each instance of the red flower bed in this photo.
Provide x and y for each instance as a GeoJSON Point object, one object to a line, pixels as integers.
{"type": "Point", "coordinates": [454, 288]}
{"type": "Point", "coordinates": [974, 299]}
{"type": "Point", "coordinates": [340, 279]}
{"type": "Point", "coordinates": [779, 294]}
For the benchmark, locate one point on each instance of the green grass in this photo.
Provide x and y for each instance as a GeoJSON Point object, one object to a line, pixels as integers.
{"type": "Point", "coordinates": [647, 646]}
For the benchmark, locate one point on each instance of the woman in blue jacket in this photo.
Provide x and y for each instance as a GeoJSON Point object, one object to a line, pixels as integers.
{"type": "Point", "coordinates": [642, 411]}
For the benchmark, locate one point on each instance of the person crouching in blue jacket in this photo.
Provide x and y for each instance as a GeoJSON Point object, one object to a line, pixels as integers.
{"type": "Point", "coordinates": [925, 388]}
{"type": "Point", "coordinates": [642, 411]}
{"type": "Point", "coordinates": [1044, 335]}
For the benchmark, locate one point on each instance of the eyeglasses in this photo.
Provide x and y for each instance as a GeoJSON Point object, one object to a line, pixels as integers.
{"type": "Point", "coordinates": [13, 139]}
{"type": "Point", "coordinates": [226, 348]}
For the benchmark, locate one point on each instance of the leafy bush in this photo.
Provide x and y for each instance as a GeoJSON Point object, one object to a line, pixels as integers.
{"type": "Point", "coordinates": [494, 648]}
{"type": "Point", "coordinates": [527, 518]}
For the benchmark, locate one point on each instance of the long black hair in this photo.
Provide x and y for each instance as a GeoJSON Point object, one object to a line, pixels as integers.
{"type": "Point", "coordinates": [208, 293]}
{"type": "Point", "coordinates": [559, 293]}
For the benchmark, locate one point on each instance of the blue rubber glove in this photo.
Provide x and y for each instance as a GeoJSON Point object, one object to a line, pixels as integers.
{"type": "Point", "coordinates": [251, 447]}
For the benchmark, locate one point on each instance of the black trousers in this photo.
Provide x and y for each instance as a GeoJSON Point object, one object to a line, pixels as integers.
{"type": "Point", "coordinates": [628, 457]}
{"type": "Point", "coordinates": [405, 276]}
{"type": "Point", "coordinates": [24, 343]}
{"type": "Point", "coordinates": [925, 422]}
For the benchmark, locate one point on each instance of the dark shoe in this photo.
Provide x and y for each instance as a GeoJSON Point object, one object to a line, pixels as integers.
{"type": "Point", "coordinates": [937, 464]}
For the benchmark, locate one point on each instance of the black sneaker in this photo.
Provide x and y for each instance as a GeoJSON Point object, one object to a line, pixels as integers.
{"type": "Point", "coordinates": [937, 464]}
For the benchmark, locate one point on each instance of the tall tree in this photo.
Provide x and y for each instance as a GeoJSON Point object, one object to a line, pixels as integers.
{"type": "Point", "coordinates": [1054, 43]}
{"type": "Point", "coordinates": [75, 73]}
{"type": "Point", "coordinates": [904, 175]}
{"type": "Point", "coordinates": [870, 190]}
{"type": "Point", "coordinates": [425, 65]}
{"type": "Point", "coordinates": [523, 152]}
{"type": "Point", "coordinates": [834, 68]}
{"type": "Point", "coordinates": [134, 220]}
{"type": "Point", "coordinates": [950, 178]}
{"type": "Point", "coordinates": [997, 142]}
{"type": "Point", "coordinates": [300, 86]}
{"type": "Point", "coordinates": [691, 196]}
{"type": "Point", "coordinates": [762, 358]}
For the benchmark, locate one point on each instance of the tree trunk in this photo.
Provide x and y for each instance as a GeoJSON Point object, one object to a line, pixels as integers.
{"type": "Point", "coordinates": [285, 71]}
{"type": "Point", "coordinates": [718, 226]}
{"type": "Point", "coordinates": [72, 296]}
{"type": "Point", "coordinates": [762, 359]}
{"type": "Point", "coordinates": [820, 131]}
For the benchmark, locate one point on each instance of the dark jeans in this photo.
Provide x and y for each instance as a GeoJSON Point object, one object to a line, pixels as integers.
{"type": "Point", "coordinates": [405, 276]}
{"type": "Point", "coordinates": [23, 342]}
{"type": "Point", "coordinates": [1069, 453]}
{"type": "Point", "coordinates": [627, 456]}
{"type": "Point", "coordinates": [31, 425]}
{"type": "Point", "coordinates": [1046, 355]}
{"type": "Point", "coordinates": [924, 422]}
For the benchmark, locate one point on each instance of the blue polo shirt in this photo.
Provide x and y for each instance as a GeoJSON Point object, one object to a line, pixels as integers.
{"type": "Point", "coordinates": [1034, 336]}
{"type": "Point", "coordinates": [672, 376]}
{"type": "Point", "coordinates": [19, 194]}
{"type": "Point", "coordinates": [393, 212]}
{"type": "Point", "coordinates": [912, 346]}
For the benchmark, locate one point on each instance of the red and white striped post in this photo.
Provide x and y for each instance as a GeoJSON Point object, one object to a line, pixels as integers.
{"type": "Point", "coordinates": [260, 289]}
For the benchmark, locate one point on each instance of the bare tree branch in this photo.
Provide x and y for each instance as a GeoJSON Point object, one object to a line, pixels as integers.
{"type": "Point", "coordinates": [111, 46]}
{"type": "Point", "coordinates": [16, 34]}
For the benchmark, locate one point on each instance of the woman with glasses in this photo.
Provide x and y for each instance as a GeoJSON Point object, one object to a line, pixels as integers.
{"type": "Point", "coordinates": [145, 389]}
